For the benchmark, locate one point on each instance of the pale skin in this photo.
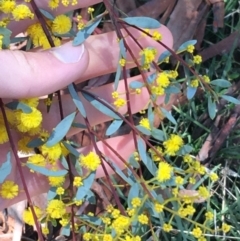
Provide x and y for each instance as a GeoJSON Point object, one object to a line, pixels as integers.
{"type": "Point", "coordinates": [39, 73]}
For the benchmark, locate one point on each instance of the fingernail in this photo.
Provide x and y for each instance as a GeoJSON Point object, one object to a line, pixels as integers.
{"type": "Point", "coordinates": [67, 53]}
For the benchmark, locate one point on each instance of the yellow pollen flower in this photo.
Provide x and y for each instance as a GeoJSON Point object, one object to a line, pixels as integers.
{"type": "Point", "coordinates": [7, 6]}
{"type": "Point", "coordinates": [61, 24]}
{"type": "Point", "coordinates": [56, 181]}
{"type": "Point", "coordinates": [56, 208]}
{"type": "Point", "coordinates": [197, 232]}
{"type": "Point", "coordinates": [28, 215]}
{"type": "Point", "coordinates": [22, 12]}
{"type": "Point", "coordinates": [164, 172]}
{"type": "Point", "coordinates": [167, 227]}
{"type": "Point", "coordinates": [190, 48]}
{"type": "Point", "coordinates": [9, 190]}
{"type": "Point", "coordinates": [194, 83]}
{"type": "Point", "coordinates": [157, 36]}
{"type": "Point", "coordinates": [144, 122]}
{"type": "Point", "coordinates": [173, 145]}
{"type": "Point", "coordinates": [197, 59]}
{"type": "Point", "coordinates": [120, 102]}
{"type": "Point", "coordinates": [90, 161]}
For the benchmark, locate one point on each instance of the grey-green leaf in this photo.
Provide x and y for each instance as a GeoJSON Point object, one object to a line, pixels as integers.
{"type": "Point", "coordinates": [221, 83]}
{"type": "Point", "coordinates": [61, 130]}
{"type": "Point", "coordinates": [83, 34]}
{"type": "Point", "coordinates": [143, 22]}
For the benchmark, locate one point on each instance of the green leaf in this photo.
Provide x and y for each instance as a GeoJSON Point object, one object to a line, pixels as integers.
{"type": "Point", "coordinates": [121, 174]}
{"type": "Point", "coordinates": [133, 192]}
{"type": "Point", "coordinates": [168, 115]}
{"type": "Point", "coordinates": [221, 83]}
{"type": "Point", "coordinates": [158, 134]}
{"type": "Point", "coordinates": [184, 46]}
{"type": "Point", "coordinates": [76, 100]}
{"type": "Point", "coordinates": [47, 172]}
{"type": "Point", "coordinates": [185, 150]}
{"type": "Point", "coordinates": [35, 143]}
{"type": "Point", "coordinates": [51, 193]}
{"type": "Point", "coordinates": [133, 162]}
{"type": "Point", "coordinates": [172, 90]}
{"type": "Point", "coordinates": [231, 99]}
{"type": "Point", "coordinates": [115, 125]}
{"type": "Point", "coordinates": [163, 56]}
{"type": "Point", "coordinates": [18, 39]}
{"type": "Point", "coordinates": [94, 220]}
{"type": "Point", "coordinates": [122, 49]}
{"type": "Point", "coordinates": [6, 37]}
{"type": "Point", "coordinates": [211, 108]}
{"type": "Point", "coordinates": [142, 149]}
{"type": "Point", "coordinates": [143, 22]}
{"type": "Point", "coordinates": [99, 106]}
{"type": "Point", "coordinates": [151, 78]}
{"type": "Point", "coordinates": [87, 183]}
{"type": "Point", "coordinates": [145, 158]}
{"type": "Point", "coordinates": [65, 230]}
{"type": "Point", "coordinates": [117, 76]}
{"type": "Point", "coordinates": [61, 130]}
{"type": "Point", "coordinates": [64, 162]}
{"type": "Point", "coordinates": [152, 168]}
{"type": "Point", "coordinates": [90, 197]}
{"type": "Point", "coordinates": [16, 105]}
{"type": "Point", "coordinates": [191, 91]}
{"type": "Point", "coordinates": [71, 149]}
{"type": "Point", "coordinates": [83, 34]}
{"type": "Point", "coordinates": [5, 168]}
{"type": "Point", "coordinates": [46, 14]}
{"type": "Point", "coordinates": [143, 130]}
{"type": "Point", "coordinates": [136, 85]}
{"type": "Point", "coordinates": [79, 125]}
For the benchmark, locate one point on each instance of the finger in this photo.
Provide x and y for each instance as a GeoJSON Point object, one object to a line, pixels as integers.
{"type": "Point", "coordinates": [38, 183]}
{"type": "Point", "coordinates": [35, 74]}
{"type": "Point", "coordinates": [21, 26]}
{"type": "Point", "coordinates": [27, 74]}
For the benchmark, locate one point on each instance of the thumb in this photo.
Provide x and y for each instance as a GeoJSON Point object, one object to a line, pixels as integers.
{"type": "Point", "coordinates": [28, 74]}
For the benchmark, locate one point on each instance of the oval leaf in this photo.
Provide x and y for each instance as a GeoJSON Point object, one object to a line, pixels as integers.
{"type": "Point", "coordinates": [87, 183]}
{"type": "Point", "coordinates": [133, 192]}
{"type": "Point", "coordinates": [99, 106]}
{"type": "Point", "coordinates": [35, 143]}
{"type": "Point", "coordinates": [168, 115]}
{"type": "Point", "coordinates": [221, 83]}
{"type": "Point", "coordinates": [76, 100]}
{"type": "Point", "coordinates": [158, 134]}
{"type": "Point", "coordinates": [61, 130]}
{"type": "Point", "coordinates": [47, 172]}
{"type": "Point", "coordinates": [46, 14]}
{"type": "Point", "coordinates": [143, 22]}
{"type": "Point", "coordinates": [83, 34]}
{"type": "Point", "coordinates": [231, 99]}
{"type": "Point", "coordinates": [143, 130]}
{"type": "Point", "coordinates": [191, 91]}
{"type": "Point", "coordinates": [163, 56]}
{"type": "Point", "coordinates": [136, 85]}
{"type": "Point", "coordinates": [117, 76]}
{"type": "Point", "coordinates": [211, 108]}
{"type": "Point", "coordinates": [184, 46]}
{"type": "Point", "coordinates": [6, 168]}
{"type": "Point", "coordinates": [16, 105]}
{"type": "Point", "coordinates": [115, 125]}
{"type": "Point", "coordinates": [122, 49]}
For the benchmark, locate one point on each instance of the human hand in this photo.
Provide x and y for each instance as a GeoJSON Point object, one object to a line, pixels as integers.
{"type": "Point", "coordinates": [33, 74]}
